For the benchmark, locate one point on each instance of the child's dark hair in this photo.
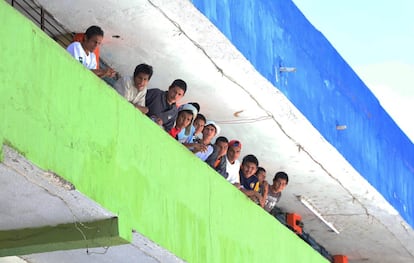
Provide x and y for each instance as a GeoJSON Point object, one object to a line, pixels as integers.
{"type": "Point", "coordinates": [222, 139]}
{"type": "Point", "coordinates": [260, 169]}
{"type": "Point", "coordinates": [201, 117]}
{"type": "Point", "coordinates": [143, 68]}
{"type": "Point", "coordinates": [179, 83]}
{"type": "Point", "coordinates": [196, 105]}
{"type": "Point", "coordinates": [94, 31]}
{"type": "Point", "coordinates": [281, 175]}
{"type": "Point", "coordinates": [250, 158]}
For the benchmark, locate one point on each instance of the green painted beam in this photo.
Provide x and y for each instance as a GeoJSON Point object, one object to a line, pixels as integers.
{"type": "Point", "coordinates": [76, 235]}
{"type": "Point", "coordinates": [65, 119]}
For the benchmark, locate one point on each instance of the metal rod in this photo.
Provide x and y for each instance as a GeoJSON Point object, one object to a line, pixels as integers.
{"type": "Point", "coordinates": [42, 19]}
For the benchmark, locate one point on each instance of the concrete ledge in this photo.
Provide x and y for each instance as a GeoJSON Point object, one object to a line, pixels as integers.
{"type": "Point", "coordinates": [43, 212]}
{"type": "Point", "coordinates": [60, 237]}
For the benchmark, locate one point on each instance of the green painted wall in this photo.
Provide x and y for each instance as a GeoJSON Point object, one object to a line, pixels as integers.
{"type": "Point", "coordinates": [65, 119]}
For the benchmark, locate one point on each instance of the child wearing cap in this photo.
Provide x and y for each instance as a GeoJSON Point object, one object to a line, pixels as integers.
{"type": "Point", "coordinates": [195, 130]}
{"type": "Point", "coordinates": [185, 117]}
{"type": "Point", "coordinates": [204, 148]}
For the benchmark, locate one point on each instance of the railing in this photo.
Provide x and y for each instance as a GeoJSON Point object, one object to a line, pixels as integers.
{"type": "Point", "coordinates": [51, 27]}
{"type": "Point", "coordinates": [44, 20]}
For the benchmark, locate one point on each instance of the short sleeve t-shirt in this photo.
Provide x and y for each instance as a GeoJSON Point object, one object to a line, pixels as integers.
{"type": "Point", "coordinates": [272, 199]}
{"type": "Point", "coordinates": [186, 138]}
{"type": "Point", "coordinates": [204, 155]}
{"type": "Point", "coordinates": [77, 51]}
{"type": "Point", "coordinates": [233, 171]}
{"type": "Point", "coordinates": [251, 183]}
{"type": "Point", "coordinates": [156, 102]}
{"type": "Point", "coordinates": [125, 86]}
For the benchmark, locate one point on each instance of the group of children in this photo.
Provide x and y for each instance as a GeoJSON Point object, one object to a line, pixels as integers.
{"type": "Point", "coordinates": [186, 124]}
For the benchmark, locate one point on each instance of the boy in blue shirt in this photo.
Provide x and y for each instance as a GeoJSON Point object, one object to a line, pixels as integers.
{"type": "Point", "coordinates": [249, 184]}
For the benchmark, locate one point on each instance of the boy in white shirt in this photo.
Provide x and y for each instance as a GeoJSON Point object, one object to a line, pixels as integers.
{"type": "Point", "coordinates": [83, 51]}
{"type": "Point", "coordinates": [134, 89]}
{"type": "Point", "coordinates": [232, 162]}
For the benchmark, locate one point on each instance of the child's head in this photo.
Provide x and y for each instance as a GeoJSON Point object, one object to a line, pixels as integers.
{"type": "Point", "coordinates": [176, 91]}
{"type": "Point", "coordinates": [93, 38]}
{"type": "Point", "coordinates": [222, 144]}
{"type": "Point", "coordinates": [249, 165]}
{"type": "Point", "coordinates": [185, 116]}
{"type": "Point", "coordinates": [280, 181]}
{"type": "Point", "coordinates": [233, 150]}
{"type": "Point", "coordinates": [199, 123]}
{"type": "Point", "coordinates": [210, 130]}
{"type": "Point", "coordinates": [261, 174]}
{"type": "Point", "coordinates": [142, 75]}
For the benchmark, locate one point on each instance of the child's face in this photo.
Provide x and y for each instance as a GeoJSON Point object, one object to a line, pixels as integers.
{"type": "Point", "coordinates": [209, 132]}
{"type": "Point", "coordinates": [174, 94]}
{"type": "Point", "coordinates": [92, 43]}
{"type": "Point", "coordinates": [279, 184]}
{"type": "Point", "coordinates": [261, 176]}
{"type": "Point", "coordinates": [199, 126]}
{"type": "Point", "coordinates": [248, 169]}
{"type": "Point", "coordinates": [233, 153]}
{"type": "Point", "coordinates": [183, 119]}
{"type": "Point", "coordinates": [141, 81]}
{"type": "Point", "coordinates": [222, 148]}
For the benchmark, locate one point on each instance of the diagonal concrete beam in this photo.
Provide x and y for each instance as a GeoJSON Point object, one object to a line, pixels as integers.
{"type": "Point", "coordinates": [100, 233]}
{"type": "Point", "coordinates": [42, 212]}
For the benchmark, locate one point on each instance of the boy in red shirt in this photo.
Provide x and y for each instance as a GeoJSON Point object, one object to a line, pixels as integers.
{"type": "Point", "coordinates": [185, 117]}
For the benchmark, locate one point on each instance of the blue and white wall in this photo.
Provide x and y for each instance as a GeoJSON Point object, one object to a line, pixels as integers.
{"type": "Point", "coordinates": [274, 34]}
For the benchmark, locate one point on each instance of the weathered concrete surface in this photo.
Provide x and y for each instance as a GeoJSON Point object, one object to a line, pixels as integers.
{"type": "Point", "coordinates": [43, 210]}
